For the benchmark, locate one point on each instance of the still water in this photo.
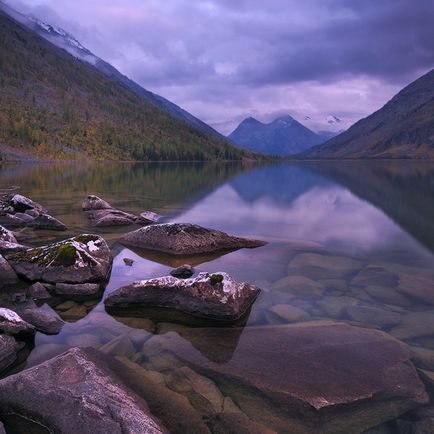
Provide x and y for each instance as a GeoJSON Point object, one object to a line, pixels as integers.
{"type": "Point", "coordinates": [347, 241]}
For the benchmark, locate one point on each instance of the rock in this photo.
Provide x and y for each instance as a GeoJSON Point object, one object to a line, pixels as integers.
{"type": "Point", "coordinates": [148, 217]}
{"type": "Point", "coordinates": [93, 202]}
{"type": "Point", "coordinates": [2, 429]}
{"type": "Point", "coordinates": [375, 275]}
{"type": "Point", "coordinates": [230, 423]}
{"type": "Point", "coordinates": [335, 305]}
{"type": "Point", "coordinates": [423, 358]}
{"type": "Point", "coordinates": [75, 313]}
{"type": "Point", "coordinates": [43, 319]}
{"type": "Point", "coordinates": [318, 266]}
{"type": "Point", "coordinates": [18, 210]}
{"type": "Point", "coordinates": [38, 291]}
{"type": "Point", "coordinates": [66, 305]}
{"type": "Point", "coordinates": [417, 287]}
{"type": "Point", "coordinates": [343, 378]}
{"type": "Point", "coordinates": [7, 273]}
{"type": "Point", "coordinates": [111, 217]}
{"type": "Point", "coordinates": [6, 235]}
{"type": "Point", "coordinates": [45, 221]}
{"type": "Point", "coordinates": [77, 382]}
{"type": "Point", "coordinates": [183, 272]}
{"type": "Point", "coordinates": [203, 394]}
{"type": "Point", "coordinates": [369, 315]}
{"type": "Point", "coordinates": [212, 296]}
{"type": "Point", "coordinates": [387, 295]}
{"type": "Point", "coordinates": [80, 291]}
{"type": "Point", "coordinates": [82, 259]}
{"type": "Point", "coordinates": [300, 286]}
{"type": "Point", "coordinates": [414, 325]}
{"type": "Point", "coordinates": [172, 408]}
{"type": "Point", "coordinates": [289, 313]}
{"type": "Point", "coordinates": [8, 351]}
{"type": "Point", "coordinates": [119, 346]}
{"type": "Point", "coordinates": [185, 239]}
{"type": "Point", "coordinates": [84, 340]}
{"type": "Point", "coordinates": [425, 426]}
{"type": "Point", "coordinates": [8, 242]}
{"type": "Point", "coordinates": [128, 262]}
{"type": "Point", "coordinates": [12, 324]}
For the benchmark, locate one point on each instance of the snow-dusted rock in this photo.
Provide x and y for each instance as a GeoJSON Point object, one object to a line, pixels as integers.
{"type": "Point", "coordinates": [12, 324]}
{"type": "Point", "coordinates": [82, 259]}
{"type": "Point", "coordinates": [185, 239]}
{"type": "Point", "coordinates": [214, 296]}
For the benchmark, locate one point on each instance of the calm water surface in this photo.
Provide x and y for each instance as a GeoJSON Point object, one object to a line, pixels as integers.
{"type": "Point", "coordinates": [374, 213]}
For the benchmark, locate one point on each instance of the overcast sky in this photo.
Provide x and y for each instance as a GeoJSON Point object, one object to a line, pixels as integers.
{"type": "Point", "coordinates": [223, 60]}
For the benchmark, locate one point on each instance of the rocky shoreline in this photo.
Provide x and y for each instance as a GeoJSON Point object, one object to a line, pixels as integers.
{"type": "Point", "coordinates": [197, 368]}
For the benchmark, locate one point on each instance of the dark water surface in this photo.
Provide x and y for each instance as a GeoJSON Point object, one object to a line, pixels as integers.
{"type": "Point", "coordinates": [363, 215]}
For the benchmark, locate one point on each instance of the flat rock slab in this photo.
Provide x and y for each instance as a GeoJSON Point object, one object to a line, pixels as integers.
{"type": "Point", "coordinates": [82, 259]}
{"type": "Point", "coordinates": [185, 239]}
{"type": "Point", "coordinates": [343, 378]}
{"type": "Point", "coordinates": [213, 296]}
{"type": "Point", "coordinates": [75, 392]}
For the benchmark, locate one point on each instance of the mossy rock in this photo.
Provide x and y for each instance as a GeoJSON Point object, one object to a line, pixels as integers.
{"type": "Point", "coordinates": [215, 279]}
{"type": "Point", "coordinates": [66, 255]}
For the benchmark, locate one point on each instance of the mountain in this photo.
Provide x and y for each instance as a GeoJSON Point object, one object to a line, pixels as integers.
{"type": "Point", "coordinates": [282, 137]}
{"type": "Point", "coordinates": [403, 128]}
{"type": "Point", "coordinates": [63, 39]}
{"type": "Point", "coordinates": [55, 106]}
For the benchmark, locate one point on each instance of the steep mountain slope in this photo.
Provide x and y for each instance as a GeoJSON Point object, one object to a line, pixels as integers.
{"type": "Point", "coordinates": [62, 39]}
{"type": "Point", "coordinates": [403, 128]}
{"type": "Point", "coordinates": [54, 106]}
{"type": "Point", "coordinates": [284, 136]}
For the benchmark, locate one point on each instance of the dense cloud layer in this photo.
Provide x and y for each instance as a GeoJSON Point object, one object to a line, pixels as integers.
{"type": "Point", "coordinates": [225, 59]}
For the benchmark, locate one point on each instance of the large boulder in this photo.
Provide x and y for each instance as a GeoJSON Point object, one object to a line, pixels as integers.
{"type": "Point", "coordinates": [212, 296]}
{"type": "Point", "coordinates": [185, 239]}
{"type": "Point", "coordinates": [101, 214]}
{"type": "Point", "coordinates": [19, 211]}
{"type": "Point", "coordinates": [74, 392]}
{"type": "Point", "coordinates": [297, 378]}
{"type": "Point", "coordinates": [82, 259]}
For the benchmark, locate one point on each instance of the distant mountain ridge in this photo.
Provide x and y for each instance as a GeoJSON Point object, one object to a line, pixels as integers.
{"type": "Point", "coordinates": [402, 128]}
{"type": "Point", "coordinates": [282, 137]}
{"type": "Point", "coordinates": [54, 106]}
{"type": "Point", "coordinates": [68, 42]}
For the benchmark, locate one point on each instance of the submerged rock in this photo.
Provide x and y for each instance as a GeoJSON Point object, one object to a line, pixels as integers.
{"type": "Point", "coordinates": [44, 319]}
{"type": "Point", "coordinates": [82, 259]}
{"type": "Point", "coordinates": [101, 214]}
{"type": "Point", "coordinates": [183, 272]}
{"type": "Point", "coordinates": [19, 211]}
{"type": "Point", "coordinates": [185, 239]}
{"type": "Point", "coordinates": [76, 382]}
{"type": "Point", "coordinates": [213, 296]}
{"type": "Point", "coordinates": [38, 291]}
{"type": "Point", "coordinates": [417, 287]}
{"type": "Point", "coordinates": [295, 378]}
{"type": "Point", "coordinates": [12, 324]}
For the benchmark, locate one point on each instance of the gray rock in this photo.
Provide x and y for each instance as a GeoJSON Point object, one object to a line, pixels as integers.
{"type": "Point", "coordinates": [300, 286]}
{"type": "Point", "coordinates": [7, 273]}
{"type": "Point", "coordinates": [417, 287]}
{"type": "Point", "coordinates": [183, 272]}
{"type": "Point", "coordinates": [128, 262]}
{"type": "Point", "coordinates": [44, 319]}
{"type": "Point", "coordinates": [93, 202]}
{"type": "Point", "coordinates": [185, 239]}
{"type": "Point", "coordinates": [12, 324]}
{"type": "Point", "coordinates": [6, 235]}
{"type": "Point", "coordinates": [81, 291]}
{"type": "Point", "coordinates": [25, 217]}
{"type": "Point", "coordinates": [8, 242]}
{"type": "Point", "coordinates": [375, 275]}
{"type": "Point", "coordinates": [110, 217]}
{"type": "Point", "coordinates": [343, 378]}
{"type": "Point", "coordinates": [369, 315]}
{"type": "Point", "coordinates": [82, 259]}
{"type": "Point", "coordinates": [38, 291]}
{"type": "Point", "coordinates": [2, 429]}
{"type": "Point", "coordinates": [212, 296]}
{"type": "Point", "coordinates": [317, 266]}
{"type": "Point", "coordinates": [8, 351]}
{"type": "Point", "coordinates": [45, 221]}
{"type": "Point", "coordinates": [148, 217]}
{"type": "Point", "coordinates": [76, 382]}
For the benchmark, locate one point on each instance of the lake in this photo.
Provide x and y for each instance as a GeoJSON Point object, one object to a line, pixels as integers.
{"type": "Point", "coordinates": [348, 241]}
